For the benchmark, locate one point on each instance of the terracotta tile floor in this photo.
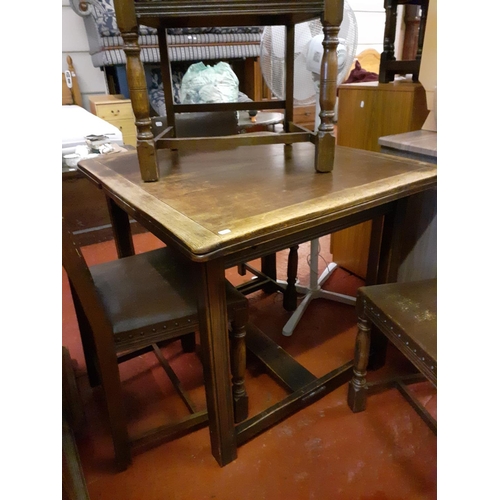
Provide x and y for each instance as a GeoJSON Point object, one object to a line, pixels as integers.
{"type": "Point", "coordinates": [322, 452]}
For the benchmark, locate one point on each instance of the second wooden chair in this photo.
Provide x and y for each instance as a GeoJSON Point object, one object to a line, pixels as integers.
{"type": "Point", "coordinates": [127, 307]}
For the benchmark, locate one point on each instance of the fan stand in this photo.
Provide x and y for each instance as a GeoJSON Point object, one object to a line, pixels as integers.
{"type": "Point", "coordinates": [314, 291]}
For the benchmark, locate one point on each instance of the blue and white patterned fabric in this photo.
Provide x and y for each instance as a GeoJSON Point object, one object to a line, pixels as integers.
{"type": "Point", "coordinates": [112, 56]}
{"type": "Point", "coordinates": [185, 44]}
{"type": "Point", "coordinates": [156, 93]}
{"type": "Point", "coordinates": [208, 46]}
{"type": "Point", "coordinates": [105, 19]}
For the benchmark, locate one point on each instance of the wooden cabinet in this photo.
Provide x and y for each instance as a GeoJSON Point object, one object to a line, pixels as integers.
{"type": "Point", "coordinates": [371, 110]}
{"type": "Point", "coordinates": [367, 111]}
{"type": "Point", "coordinates": [117, 111]}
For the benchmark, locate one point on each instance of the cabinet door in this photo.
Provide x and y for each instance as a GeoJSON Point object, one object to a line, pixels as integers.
{"type": "Point", "coordinates": [392, 115]}
{"type": "Point", "coordinates": [369, 112]}
{"type": "Point", "coordinates": [357, 115]}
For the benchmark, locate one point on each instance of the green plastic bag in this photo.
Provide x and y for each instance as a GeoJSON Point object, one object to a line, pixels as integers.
{"type": "Point", "coordinates": [208, 84]}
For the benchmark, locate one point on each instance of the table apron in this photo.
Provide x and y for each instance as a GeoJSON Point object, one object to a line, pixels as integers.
{"type": "Point", "coordinates": [273, 244]}
{"type": "Point", "coordinates": [305, 235]}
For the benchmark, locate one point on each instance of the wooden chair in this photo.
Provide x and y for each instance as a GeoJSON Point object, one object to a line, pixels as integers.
{"type": "Point", "coordinates": [389, 65]}
{"type": "Point", "coordinates": [127, 307]}
{"type": "Point", "coordinates": [202, 13]}
{"type": "Point", "coordinates": [406, 313]}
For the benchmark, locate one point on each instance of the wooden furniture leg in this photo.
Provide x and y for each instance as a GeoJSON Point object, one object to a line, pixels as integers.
{"type": "Point", "coordinates": [389, 66]}
{"type": "Point", "coordinates": [238, 364]}
{"type": "Point", "coordinates": [389, 35]}
{"type": "Point", "coordinates": [406, 314]}
{"type": "Point", "coordinates": [87, 340]}
{"type": "Point", "coordinates": [103, 368]}
{"type": "Point", "coordinates": [325, 139]}
{"type": "Point", "coordinates": [146, 152]}
{"type": "Point", "coordinates": [356, 397]}
{"type": "Point", "coordinates": [215, 350]}
{"type": "Point", "coordinates": [268, 267]}
{"type": "Point", "coordinates": [120, 224]}
{"type": "Point", "coordinates": [111, 385]}
{"type": "Point", "coordinates": [390, 257]}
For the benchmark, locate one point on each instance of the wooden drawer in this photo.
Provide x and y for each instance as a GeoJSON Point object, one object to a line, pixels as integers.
{"type": "Point", "coordinates": [115, 111]}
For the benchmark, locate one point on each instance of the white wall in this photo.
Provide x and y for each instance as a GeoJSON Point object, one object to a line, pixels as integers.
{"type": "Point", "coordinates": [75, 44]}
{"type": "Point", "coordinates": [370, 17]}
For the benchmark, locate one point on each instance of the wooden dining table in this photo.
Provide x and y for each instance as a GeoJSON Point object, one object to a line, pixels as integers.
{"type": "Point", "coordinates": [224, 207]}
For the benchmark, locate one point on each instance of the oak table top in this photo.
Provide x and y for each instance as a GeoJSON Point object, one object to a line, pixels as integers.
{"type": "Point", "coordinates": [217, 203]}
{"type": "Point", "coordinates": [221, 208]}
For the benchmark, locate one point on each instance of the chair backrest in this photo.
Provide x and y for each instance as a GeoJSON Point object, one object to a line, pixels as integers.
{"type": "Point", "coordinates": [202, 13]}
{"type": "Point", "coordinates": [81, 281]}
{"type": "Point", "coordinates": [389, 65]}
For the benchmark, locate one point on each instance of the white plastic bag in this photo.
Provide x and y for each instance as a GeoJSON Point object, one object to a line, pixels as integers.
{"type": "Point", "coordinates": [208, 84]}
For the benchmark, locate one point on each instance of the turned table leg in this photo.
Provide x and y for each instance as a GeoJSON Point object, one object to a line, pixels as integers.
{"type": "Point", "coordinates": [238, 365]}
{"type": "Point", "coordinates": [356, 398]}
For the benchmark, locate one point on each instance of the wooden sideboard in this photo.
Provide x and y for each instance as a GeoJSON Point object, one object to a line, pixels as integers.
{"type": "Point", "coordinates": [367, 111]}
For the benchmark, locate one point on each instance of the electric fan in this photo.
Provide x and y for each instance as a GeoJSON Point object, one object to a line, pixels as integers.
{"type": "Point", "coordinates": [308, 38]}
{"type": "Point", "coordinates": [307, 60]}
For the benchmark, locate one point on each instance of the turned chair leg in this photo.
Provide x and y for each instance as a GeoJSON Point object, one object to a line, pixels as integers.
{"type": "Point", "coordinates": [356, 398]}
{"type": "Point", "coordinates": [238, 364]}
{"type": "Point", "coordinates": [378, 349]}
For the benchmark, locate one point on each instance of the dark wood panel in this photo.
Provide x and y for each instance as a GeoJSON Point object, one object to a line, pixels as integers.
{"type": "Point", "coordinates": [85, 210]}
{"type": "Point", "coordinates": [291, 373]}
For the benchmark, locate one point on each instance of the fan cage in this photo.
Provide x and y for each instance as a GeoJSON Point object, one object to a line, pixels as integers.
{"type": "Point", "coordinates": [272, 57]}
